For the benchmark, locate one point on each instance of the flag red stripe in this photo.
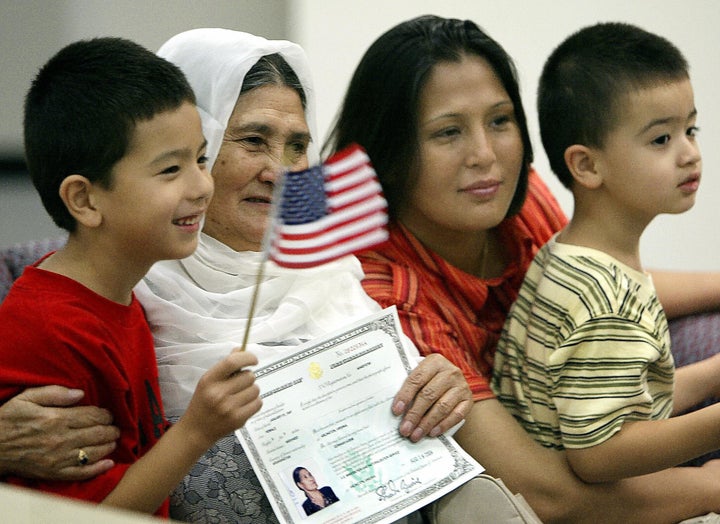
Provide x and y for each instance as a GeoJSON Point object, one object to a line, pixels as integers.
{"type": "Point", "coordinates": [329, 239]}
{"type": "Point", "coordinates": [323, 257]}
{"type": "Point", "coordinates": [359, 201]}
{"type": "Point", "coordinates": [298, 234]}
{"type": "Point", "coordinates": [307, 250]}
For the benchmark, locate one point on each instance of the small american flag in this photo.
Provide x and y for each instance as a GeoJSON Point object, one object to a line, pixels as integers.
{"type": "Point", "coordinates": [328, 211]}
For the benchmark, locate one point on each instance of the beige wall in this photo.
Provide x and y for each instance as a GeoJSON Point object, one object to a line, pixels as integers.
{"type": "Point", "coordinates": [336, 33]}
{"type": "Point", "coordinates": [31, 31]}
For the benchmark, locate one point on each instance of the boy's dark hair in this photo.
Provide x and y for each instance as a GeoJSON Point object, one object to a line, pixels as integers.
{"type": "Point", "coordinates": [380, 110]}
{"type": "Point", "coordinates": [82, 108]}
{"type": "Point", "coordinates": [585, 79]}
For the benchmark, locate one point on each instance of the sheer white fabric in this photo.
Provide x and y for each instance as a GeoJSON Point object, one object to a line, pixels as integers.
{"type": "Point", "coordinates": [215, 61]}
{"type": "Point", "coordinates": [198, 309]}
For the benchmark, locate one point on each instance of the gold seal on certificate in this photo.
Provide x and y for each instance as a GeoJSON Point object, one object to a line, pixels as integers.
{"type": "Point", "coordinates": [326, 445]}
{"type": "Point", "coordinates": [315, 370]}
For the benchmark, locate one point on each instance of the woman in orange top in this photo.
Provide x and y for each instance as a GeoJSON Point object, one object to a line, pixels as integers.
{"type": "Point", "coordinates": [436, 104]}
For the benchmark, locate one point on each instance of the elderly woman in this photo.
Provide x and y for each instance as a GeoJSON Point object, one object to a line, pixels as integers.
{"type": "Point", "coordinates": [256, 102]}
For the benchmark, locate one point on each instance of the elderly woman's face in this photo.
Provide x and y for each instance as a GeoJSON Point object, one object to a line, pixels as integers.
{"type": "Point", "coordinates": [267, 133]}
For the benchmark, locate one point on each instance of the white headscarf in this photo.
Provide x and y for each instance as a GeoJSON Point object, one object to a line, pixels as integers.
{"type": "Point", "coordinates": [198, 307]}
{"type": "Point", "coordinates": [215, 62]}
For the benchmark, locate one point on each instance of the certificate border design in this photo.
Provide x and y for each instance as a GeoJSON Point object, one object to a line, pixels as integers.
{"type": "Point", "coordinates": [385, 322]}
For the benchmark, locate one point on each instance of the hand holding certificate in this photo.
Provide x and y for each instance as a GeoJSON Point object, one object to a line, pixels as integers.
{"type": "Point", "coordinates": [326, 445]}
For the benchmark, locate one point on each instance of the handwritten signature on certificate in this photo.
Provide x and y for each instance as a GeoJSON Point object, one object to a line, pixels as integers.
{"type": "Point", "coordinates": [326, 445]}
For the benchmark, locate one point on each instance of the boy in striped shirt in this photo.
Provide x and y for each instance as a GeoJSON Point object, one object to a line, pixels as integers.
{"type": "Point", "coordinates": [584, 362]}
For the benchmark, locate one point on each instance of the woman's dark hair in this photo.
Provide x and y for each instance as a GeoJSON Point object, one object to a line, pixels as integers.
{"type": "Point", "coordinates": [296, 474]}
{"type": "Point", "coordinates": [380, 110]}
{"type": "Point", "coordinates": [273, 70]}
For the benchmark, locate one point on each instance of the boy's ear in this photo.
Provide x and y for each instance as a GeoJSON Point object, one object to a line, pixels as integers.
{"type": "Point", "coordinates": [77, 192]}
{"type": "Point", "coordinates": [580, 161]}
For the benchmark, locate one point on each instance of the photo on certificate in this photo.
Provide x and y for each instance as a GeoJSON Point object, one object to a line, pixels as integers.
{"type": "Point", "coordinates": [326, 446]}
{"type": "Point", "coordinates": [315, 497]}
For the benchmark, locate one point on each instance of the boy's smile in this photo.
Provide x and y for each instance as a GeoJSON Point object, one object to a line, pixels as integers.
{"type": "Point", "coordinates": [161, 188]}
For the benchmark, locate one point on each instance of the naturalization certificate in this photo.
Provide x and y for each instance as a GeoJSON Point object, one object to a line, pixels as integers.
{"type": "Point", "coordinates": [325, 444]}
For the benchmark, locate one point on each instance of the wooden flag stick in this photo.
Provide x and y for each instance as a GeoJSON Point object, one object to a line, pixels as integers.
{"type": "Point", "coordinates": [277, 195]}
{"type": "Point", "coordinates": [253, 302]}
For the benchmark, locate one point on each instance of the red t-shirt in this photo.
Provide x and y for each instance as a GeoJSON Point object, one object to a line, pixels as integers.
{"type": "Point", "coordinates": [445, 310]}
{"type": "Point", "coordinates": [56, 331]}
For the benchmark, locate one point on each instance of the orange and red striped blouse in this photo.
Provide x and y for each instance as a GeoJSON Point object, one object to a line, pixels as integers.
{"type": "Point", "coordinates": [445, 310]}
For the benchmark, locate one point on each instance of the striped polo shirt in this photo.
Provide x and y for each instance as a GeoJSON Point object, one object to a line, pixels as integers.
{"type": "Point", "coordinates": [586, 346]}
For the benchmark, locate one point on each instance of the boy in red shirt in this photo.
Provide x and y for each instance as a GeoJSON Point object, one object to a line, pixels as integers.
{"type": "Point", "coordinates": [115, 148]}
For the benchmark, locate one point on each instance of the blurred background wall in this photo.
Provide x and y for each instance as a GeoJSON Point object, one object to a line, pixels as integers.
{"type": "Point", "coordinates": [335, 33]}
{"type": "Point", "coordinates": [31, 31]}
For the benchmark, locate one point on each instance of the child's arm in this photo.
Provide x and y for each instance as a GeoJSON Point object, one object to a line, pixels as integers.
{"type": "Point", "coordinates": [496, 440]}
{"type": "Point", "coordinates": [647, 446]}
{"type": "Point", "coordinates": [696, 382]}
{"type": "Point", "coordinates": [224, 399]}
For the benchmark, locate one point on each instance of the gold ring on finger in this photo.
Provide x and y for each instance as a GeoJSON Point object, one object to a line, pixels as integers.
{"type": "Point", "coordinates": [82, 457]}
